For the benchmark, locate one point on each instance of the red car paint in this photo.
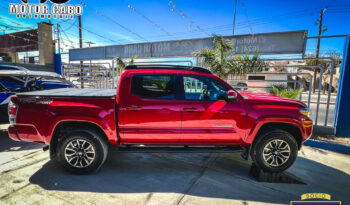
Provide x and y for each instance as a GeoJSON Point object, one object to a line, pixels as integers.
{"type": "Point", "coordinates": [151, 121]}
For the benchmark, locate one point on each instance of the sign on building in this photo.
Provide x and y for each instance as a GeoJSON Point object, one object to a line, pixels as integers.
{"type": "Point", "coordinates": [293, 42]}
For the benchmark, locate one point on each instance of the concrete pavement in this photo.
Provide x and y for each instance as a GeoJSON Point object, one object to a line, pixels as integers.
{"type": "Point", "coordinates": [28, 177]}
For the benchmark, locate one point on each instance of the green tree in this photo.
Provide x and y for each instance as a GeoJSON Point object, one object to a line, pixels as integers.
{"type": "Point", "coordinates": [223, 62]}
{"type": "Point", "coordinates": [243, 64]}
{"type": "Point", "coordinates": [121, 64]}
{"type": "Point", "coordinates": [283, 91]}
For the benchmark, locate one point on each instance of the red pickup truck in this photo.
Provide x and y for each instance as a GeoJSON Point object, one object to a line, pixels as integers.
{"type": "Point", "coordinates": [161, 109]}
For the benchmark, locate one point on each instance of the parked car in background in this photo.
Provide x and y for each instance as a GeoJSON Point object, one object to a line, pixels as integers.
{"type": "Point", "coordinates": [17, 79]}
{"type": "Point", "coordinates": [241, 86]}
{"type": "Point", "coordinates": [11, 67]}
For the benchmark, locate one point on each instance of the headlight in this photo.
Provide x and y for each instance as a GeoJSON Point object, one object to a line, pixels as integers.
{"type": "Point", "coordinates": [305, 111]}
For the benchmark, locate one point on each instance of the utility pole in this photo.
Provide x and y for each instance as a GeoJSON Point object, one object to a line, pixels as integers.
{"type": "Point", "coordinates": [320, 30]}
{"type": "Point", "coordinates": [81, 46]}
{"type": "Point", "coordinates": [58, 38]}
{"type": "Point", "coordinates": [234, 19]}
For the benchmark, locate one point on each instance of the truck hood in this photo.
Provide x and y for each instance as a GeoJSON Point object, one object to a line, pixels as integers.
{"type": "Point", "coordinates": [265, 98]}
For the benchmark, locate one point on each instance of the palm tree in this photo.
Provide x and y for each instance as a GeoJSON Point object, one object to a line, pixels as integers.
{"type": "Point", "coordinates": [222, 61]}
{"type": "Point", "coordinates": [121, 64]}
{"type": "Point", "coordinates": [217, 59]}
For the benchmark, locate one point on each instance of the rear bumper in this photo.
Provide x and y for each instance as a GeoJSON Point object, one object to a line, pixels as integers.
{"type": "Point", "coordinates": [13, 133]}
{"type": "Point", "coordinates": [24, 132]}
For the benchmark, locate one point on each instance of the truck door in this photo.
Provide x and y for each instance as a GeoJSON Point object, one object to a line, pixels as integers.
{"type": "Point", "coordinates": [149, 113]}
{"type": "Point", "coordinates": [206, 117]}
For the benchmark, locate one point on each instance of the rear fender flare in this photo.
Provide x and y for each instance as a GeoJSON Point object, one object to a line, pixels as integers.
{"type": "Point", "coordinates": [109, 131]}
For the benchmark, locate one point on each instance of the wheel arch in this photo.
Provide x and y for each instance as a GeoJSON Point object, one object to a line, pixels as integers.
{"type": "Point", "coordinates": [291, 128]}
{"type": "Point", "coordinates": [66, 126]}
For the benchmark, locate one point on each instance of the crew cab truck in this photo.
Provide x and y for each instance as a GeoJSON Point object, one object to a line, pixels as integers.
{"type": "Point", "coordinates": [161, 108]}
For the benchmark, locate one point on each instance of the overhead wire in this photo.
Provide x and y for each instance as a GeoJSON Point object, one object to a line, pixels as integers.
{"type": "Point", "coordinates": [151, 21]}
{"type": "Point", "coordinates": [191, 22]}
{"type": "Point", "coordinates": [115, 22]}
{"type": "Point", "coordinates": [91, 32]}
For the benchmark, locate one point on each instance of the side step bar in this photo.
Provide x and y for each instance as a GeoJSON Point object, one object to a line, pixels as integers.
{"type": "Point", "coordinates": [180, 149]}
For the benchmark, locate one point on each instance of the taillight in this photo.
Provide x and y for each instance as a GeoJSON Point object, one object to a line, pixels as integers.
{"type": "Point", "coordinates": [12, 112]}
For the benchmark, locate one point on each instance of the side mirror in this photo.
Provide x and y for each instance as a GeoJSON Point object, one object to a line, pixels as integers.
{"type": "Point", "coordinates": [232, 96]}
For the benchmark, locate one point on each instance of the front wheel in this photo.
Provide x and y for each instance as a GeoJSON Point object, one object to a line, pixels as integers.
{"type": "Point", "coordinates": [82, 151]}
{"type": "Point", "coordinates": [275, 151]}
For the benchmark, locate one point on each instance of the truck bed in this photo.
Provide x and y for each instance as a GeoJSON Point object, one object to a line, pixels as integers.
{"type": "Point", "coordinates": [72, 92]}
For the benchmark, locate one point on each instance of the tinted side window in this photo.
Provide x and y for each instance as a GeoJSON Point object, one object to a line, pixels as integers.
{"type": "Point", "coordinates": [153, 86]}
{"type": "Point", "coordinates": [204, 88]}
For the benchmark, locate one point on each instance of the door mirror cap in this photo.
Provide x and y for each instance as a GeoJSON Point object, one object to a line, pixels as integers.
{"type": "Point", "coordinates": [232, 96]}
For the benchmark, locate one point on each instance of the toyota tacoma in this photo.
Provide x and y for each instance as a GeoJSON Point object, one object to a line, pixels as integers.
{"type": "Point", "coordinates": [161, 108]}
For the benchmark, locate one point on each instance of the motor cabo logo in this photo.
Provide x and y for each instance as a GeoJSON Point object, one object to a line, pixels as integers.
{"type": "Point", "coordinates": [58, 9]}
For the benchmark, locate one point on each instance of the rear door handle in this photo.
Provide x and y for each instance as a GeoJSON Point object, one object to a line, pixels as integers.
{"type": "Point", "coordinates": [189, 109]}
{"type": "Point", "coordinates": [133, 108]}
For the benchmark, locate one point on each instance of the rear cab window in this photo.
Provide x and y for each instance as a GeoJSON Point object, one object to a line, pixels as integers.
{"type": "Point", "coordinates": [153, 86]}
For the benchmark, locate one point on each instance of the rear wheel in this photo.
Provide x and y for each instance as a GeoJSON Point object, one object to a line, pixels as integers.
{"type": "Point", "coordinates": [275, 151]}
{"type": "Point", "coordinates": [82, 151]}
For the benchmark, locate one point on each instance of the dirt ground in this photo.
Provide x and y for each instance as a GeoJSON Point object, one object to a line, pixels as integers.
{"type": "Point", "coordinates": [29, 177]}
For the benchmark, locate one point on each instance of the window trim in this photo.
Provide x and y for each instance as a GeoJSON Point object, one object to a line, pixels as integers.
{"type": "Point", "coordinates": [203, 76]}
{"type": "Point", "coordinates": [172, 75]}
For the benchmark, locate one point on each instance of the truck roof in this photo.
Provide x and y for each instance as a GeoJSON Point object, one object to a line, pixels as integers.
{"type": "Point", "coordinates": [72, 92]}
{"type": "Point", "coordinates": [167, 67]}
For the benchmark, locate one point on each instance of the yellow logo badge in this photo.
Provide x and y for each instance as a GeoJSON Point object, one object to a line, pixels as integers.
{"type": "Point", "coordinates": [315, 199]}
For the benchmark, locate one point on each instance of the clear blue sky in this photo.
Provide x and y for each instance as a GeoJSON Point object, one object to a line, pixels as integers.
{"type": "Point", "coordinates": [213, 17]}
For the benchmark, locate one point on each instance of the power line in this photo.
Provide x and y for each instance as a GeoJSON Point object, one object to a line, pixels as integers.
{"type": "Point", "coordinates": [149, 20]}
{"type": "Point", "coordinates": [174, 7]}
{"type": "Point", "coordinates": [28, 33]}
{"type": "Point", "coordinates": [242, 25]}
{"type": "Point", "coordinates": [93, 32]}
{"type": "Point", "coordinates": [246, 15]}
{"type": "Point", "coordinates": [115, 22]}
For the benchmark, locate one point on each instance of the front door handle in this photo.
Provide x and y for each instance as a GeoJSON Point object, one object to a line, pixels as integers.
{"type": "Point", "coordinates": [133, 108]}
{"type": "Point", "coordinates": [189, 109]}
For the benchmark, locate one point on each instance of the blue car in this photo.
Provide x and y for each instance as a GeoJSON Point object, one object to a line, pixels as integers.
{"type": "Point", "coordinates": [11, 67]}
{"type": "Point", "coordinates": [17, 79]}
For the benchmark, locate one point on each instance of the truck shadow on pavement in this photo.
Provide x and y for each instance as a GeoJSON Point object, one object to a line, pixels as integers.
{"type": "Point", "coordinates": [223, 176]}
{"type": "Point", "coordinates": [8, 145]}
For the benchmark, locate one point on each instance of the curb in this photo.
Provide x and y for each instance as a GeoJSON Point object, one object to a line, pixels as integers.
{"type": "Point", "coordinates": [331, 146]}
{"type": "Point", "coordinates": [3, 127]}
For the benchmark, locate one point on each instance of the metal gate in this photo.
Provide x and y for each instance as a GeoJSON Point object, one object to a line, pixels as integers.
{"type": "Point", "coordinates": [90, 75]}
{"type": "Point", "coordinates": [322, 105]}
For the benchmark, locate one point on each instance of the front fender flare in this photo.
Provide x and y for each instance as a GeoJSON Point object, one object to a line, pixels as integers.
{"type": "Point", "coordinates": [272, 119]}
